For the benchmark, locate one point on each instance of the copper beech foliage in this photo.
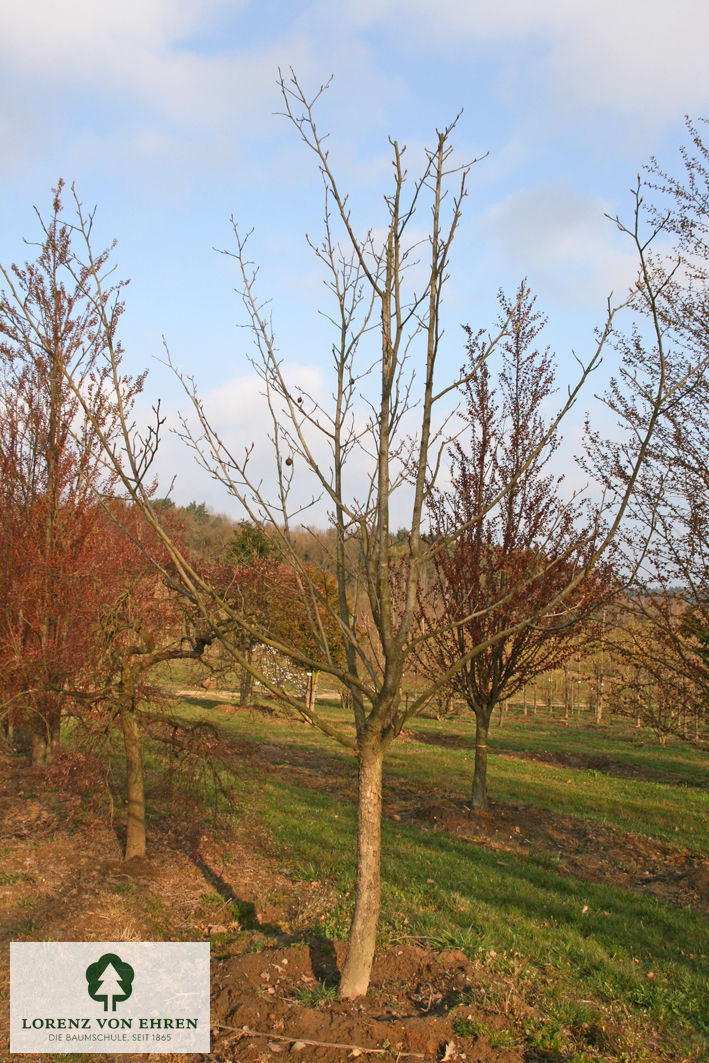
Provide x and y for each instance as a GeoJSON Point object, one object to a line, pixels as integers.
{"type": "Point", "coordinates": [51, 469]}
{"type": "Point", "coordinates": [511, 542]}
{"type": "Point", "coordinates": [84, 612]}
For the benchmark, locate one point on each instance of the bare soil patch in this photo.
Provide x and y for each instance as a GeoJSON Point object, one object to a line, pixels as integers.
{"type": "Point", "coordinates": [592, 851]}
{"type": "Point", "coordinates": [265, 1005]}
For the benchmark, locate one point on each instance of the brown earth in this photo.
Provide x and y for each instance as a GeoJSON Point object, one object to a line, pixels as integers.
{"type": "Point", "coordinates": [587, 850]}
{"type": "Point", "coordinates": [408, 1013]}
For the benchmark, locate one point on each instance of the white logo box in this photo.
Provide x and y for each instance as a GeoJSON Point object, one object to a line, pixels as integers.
{"type": "Point", "coordinates": [109, 996]}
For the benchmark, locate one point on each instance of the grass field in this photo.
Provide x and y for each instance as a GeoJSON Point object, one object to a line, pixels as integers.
{"type": "Point", "coordinates": [584, 953]}
{"type": "Point", "coordinates": [579, 901]}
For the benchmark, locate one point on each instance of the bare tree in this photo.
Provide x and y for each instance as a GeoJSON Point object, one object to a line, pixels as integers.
{"type": "Point", "coordinates": [385, 419]}
{"type": "Point", "coordinates": [662, 643]}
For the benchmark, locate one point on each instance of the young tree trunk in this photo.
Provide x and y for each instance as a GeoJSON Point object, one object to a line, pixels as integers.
{"type": "Point", "coordinates": [357, 967]}
{"type": "Point", "coordinates": [479, 795]}
{"type": "Point", "coordinates": [45, 730]}
{"type": "Point", "coordinates": [55, 723]}
{"type": "Point", "coordinates": [246, 680]}
{"type": "Point", "coordinates": [312, 690]}
{"type": "Point", "coordinates": [135, 831]}
{"type": "Point", "coordinates": [40, 747]}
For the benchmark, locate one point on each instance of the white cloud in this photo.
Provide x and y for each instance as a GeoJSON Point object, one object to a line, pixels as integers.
{"type": "Point", "coordinates": [561, 240]}
{"type": "Point", "coordinates": [142, 52]}
{"type": "Point", "coordinates": [649, 59]}
{"type": "Point", "coordinates": [239, 416]}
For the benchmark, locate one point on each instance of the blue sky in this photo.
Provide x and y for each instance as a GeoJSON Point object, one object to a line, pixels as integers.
{"type": "Point", "coordinates": [162, 112]}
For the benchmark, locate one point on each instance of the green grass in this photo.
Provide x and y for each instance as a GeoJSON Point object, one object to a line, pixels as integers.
{"type": "Point", "coordinates": [9, 878]}
{"type": "Point", "coordinates": [474, 1028]}
{"type": "Point", "coordinates": [667, 811]}
{"type": "Point", "coordinates": [584, 953]}
{"type": "Point", "coordinates": [498, 909]}
{"type": "Point", "coordinates": [311, 996]}
{"type": "Point", "coordinates": [630, 748]}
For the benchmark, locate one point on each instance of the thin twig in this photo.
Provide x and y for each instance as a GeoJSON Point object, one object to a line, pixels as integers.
{"type": "Point", "coordinates": [246, 1032]}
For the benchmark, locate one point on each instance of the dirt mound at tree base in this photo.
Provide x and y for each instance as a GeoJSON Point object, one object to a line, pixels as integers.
{"type": "Point", "coordinates": [281, 1003]}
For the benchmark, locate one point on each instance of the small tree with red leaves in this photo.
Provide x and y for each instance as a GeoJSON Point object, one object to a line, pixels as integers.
{"type": "Point", "coordinates": [51, 471]}
{"type": "Point", "coordinates": [510, 545]}
{"type": "Point", "coordinates": [141, 621]}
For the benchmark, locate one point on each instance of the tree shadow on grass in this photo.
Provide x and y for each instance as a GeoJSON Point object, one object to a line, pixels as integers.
{"type": "Point", "coordinates": [323, 957]}
{"type": "Point", "coordinates": [248, 917]}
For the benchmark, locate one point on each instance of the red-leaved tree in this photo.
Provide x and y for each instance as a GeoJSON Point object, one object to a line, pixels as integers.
{"type": "Point", "coordinates": [51, 470]}
{"type": "Point", "coordinates": [510, 542]}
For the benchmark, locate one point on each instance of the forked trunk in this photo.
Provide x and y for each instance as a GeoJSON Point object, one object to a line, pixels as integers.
{"type": "Point", "coordinates": [479, 795]}
{"type": "Point", "coordinates": [135, 831]}
{"type": "Point", "coordinates": [357, 967]}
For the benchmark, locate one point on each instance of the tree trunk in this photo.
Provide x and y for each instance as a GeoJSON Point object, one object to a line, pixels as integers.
{"type": "Point", "coordinates": [40, 747]}
{"type": "Point", "coordinates": [55, 722]}
{"type": "Point", "coordinates": [246, 680]}
{"type": "Point", "coordinates": [45, 730]}
{"type": "Point", "coordinates": [312, 690]}
{"type": "Point", "coordinates": [357, 967]}
{"type": "Point", "coordinates": [135, 828]}
{"type": "Point", "coordinates": [479, 796]}
{"type": "Point", "coordinates": [245, 687]}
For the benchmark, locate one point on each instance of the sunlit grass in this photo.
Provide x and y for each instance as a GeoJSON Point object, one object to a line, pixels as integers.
{"type": "Point", "coordinates": [578, 947]}
{"type": "Point", "coordinates": [667, 811]}
{"type": "Point", "coordinates": [596, 941]}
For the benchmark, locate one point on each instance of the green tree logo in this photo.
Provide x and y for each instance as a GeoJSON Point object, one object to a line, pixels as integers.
{"type": "Point", "coordinates": [110, 979]}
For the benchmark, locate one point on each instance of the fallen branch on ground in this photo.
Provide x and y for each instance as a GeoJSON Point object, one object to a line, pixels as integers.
{"type": "Point", "coordinates": [246, 1032]}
